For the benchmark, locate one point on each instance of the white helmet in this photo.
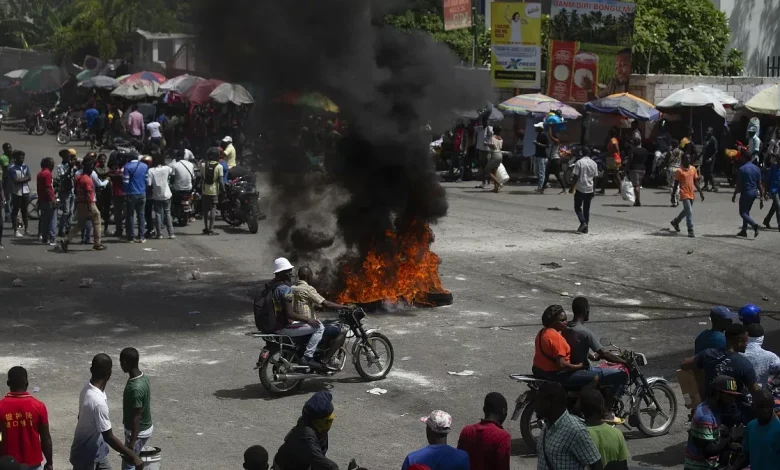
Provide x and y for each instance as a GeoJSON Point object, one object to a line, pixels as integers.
{"type": "Point", "coordinates": [227, 139]}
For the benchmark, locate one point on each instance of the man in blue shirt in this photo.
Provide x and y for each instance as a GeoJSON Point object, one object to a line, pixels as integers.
{"type": "Point", "coordinates": [772, 190]}
{"type": "Point", "coordinates": [761, 443]}
{"type": "Point", "coordinates": [721, 318]}
{"type": "Point", "coordinates": [134, 185]}
{"type": "Point", "coordinates": [438, 455]}
{"type": "Point", "coordinates": [749, 188]}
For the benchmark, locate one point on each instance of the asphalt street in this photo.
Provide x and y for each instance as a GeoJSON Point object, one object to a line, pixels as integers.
{"type": "Point", "coordinates": [650, 291]}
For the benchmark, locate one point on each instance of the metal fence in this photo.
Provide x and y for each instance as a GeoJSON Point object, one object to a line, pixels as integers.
{"type": "Point", "coordinates": [773, 66]}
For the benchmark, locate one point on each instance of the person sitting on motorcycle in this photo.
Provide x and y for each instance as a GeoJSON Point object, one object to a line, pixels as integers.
{"type": "Point", "coordinates": [552, 356]}
{"type": "Point", "coordinates": [705, 443]}
{"type": "Point", "coordinates": [306, 444]}
{"type": "Point", "coordinates": [289, 322]}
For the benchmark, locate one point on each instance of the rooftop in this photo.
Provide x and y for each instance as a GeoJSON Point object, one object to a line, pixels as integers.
{"type": "Point", "coordinates": [157, 36]}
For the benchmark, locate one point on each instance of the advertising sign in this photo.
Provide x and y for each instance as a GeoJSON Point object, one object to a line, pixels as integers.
{"type": "Point", "coordinates": [457, 14]}
{"type": "Point", "coordinates": [590, 53]}
{"type": "Point", "coordinates": [515, 42]}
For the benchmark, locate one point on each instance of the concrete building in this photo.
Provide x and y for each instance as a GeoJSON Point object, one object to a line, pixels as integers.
{"type": "Point", "coordinates": [755, 30]}
{"type": "Point", "coordinates": [159, 51]}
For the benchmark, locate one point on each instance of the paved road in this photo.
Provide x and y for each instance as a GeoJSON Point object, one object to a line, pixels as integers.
{"type": "Point", "coordinates": [650, 291]}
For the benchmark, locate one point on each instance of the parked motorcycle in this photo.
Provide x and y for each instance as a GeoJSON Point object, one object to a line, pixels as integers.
{"type": "Point", "coordinates": [70, 129]}
{"type": "Point", "coordinates": [372, 354]}
{"type": "Point", "coordinates": [182, 208]}
{"type": "Point", "coordinates": [638, 396]}
{"type": "Point", "coordinates": [36, 123]}
{"type": "Point", "coordinates": [240, 204]}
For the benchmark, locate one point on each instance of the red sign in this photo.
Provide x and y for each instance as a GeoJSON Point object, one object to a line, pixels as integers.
{"type": "Point", "coordinates": [561, 69]}
{"type": "Point", "coordinates": [457, 14]}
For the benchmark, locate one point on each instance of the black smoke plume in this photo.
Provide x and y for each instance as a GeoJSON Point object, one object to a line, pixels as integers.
{"type": "Point", "coordinates": [389, 86]}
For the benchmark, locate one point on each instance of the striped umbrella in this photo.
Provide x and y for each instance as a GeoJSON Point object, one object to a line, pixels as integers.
{"type": "Point", "coordinates": [147, 76]}
{"type": "Point", "coordinates": [311, 100]}
{"type": "Point", "coordinates": [536, 103]}
{"type": "Point", "coordinates": [625, 104]}
{"type": "Point", "coordinates": [180, 84]}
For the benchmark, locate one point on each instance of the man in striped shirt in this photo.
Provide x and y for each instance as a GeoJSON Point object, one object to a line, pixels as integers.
{"type": "Point", "coordinates": [705, 444]}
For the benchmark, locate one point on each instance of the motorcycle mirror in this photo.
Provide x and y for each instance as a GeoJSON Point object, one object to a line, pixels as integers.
{"type": "Point", "coordinates": [606, 342]}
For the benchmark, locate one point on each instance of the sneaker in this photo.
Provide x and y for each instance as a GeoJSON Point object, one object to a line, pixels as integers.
{"type": "Point", "coordinates": [637, 204]}
{"type": "Point", "coordinates": [64, 245]}
{"type": "Point", "coordinates": [142, 240]}
{"type": "Point", "coordinates": [52, 243]}
{"type": "Point", "coordinates": [585, 230]}
{"type": "Point", "coordinates": [158, 237]}
{"type": "Point", "coordinates": [767, 225]}
{"type": "Point", "coordinates": [171, 237]}
{"type": "Point", "coordinates": [691, 235]}
{"type": "Point", "coordinates": [99, 247]}
{"type": "Point", "coordinates": [581, 228]}
{"type": "Point", "coordinates": [742, 233]}
{"type": "Point", "coordinates": [205, 231]}
{"type": "Point", "coordinates": [676, 225]}
{"type": "Point", "coordinates": [18, 234]}
{"type": "Point", "coordinates": [755, 231]}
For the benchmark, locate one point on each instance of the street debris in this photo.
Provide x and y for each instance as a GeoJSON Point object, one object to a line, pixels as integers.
{"type": "Point", "coordinates": [496, 328]}
{"type": "Point", "coordinates": [553, 208]}
{"type": "Point", "coordinates": [149, 249]}
{"type": "Point", "coordinates": [18, 283]}
{"type": "Point", "coordinates": [36, 389]}
{"type": "Point", "coordinates": [464, 373]}
{"type": "Point", "coordinates": [690, 252]}
{"type": "Point", "coordinates": [377, 391]}
{"type": "Point", "coordinates": [199, 433]}
{"type": "Point", "coordinates": [194, 312]}
{"type": "Point", "coordinates": [86, 282]}
{"type": "Point", "coordinates": [565, 294]}
{"type": "Point", "coordinates": [552, 265]}
{"type": "Point", "coordinates": [764, 298]}
{"type": "Point", "coordinates": [195, 275]}
{"type": "Point", "coordinates": [577, 283]}
{"type": "Point", "coordinates": [406, 358]}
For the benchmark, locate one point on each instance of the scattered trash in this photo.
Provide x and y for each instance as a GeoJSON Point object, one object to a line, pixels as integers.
{"type": "Point", "coordinates": [496, 328]}
{"type": "Point", "coordinates": [464, 373]}
{"type": "Point", "coordinates": [406, 358]}
{"type": "Point", "coordinates": [511, 246]}
{"type": "Point", "coordinates": [194, 312]}
{"type": "Point", "coordinates": [622, 211]}
{"type": "Point", "coordinates": [564, 294]}
{"type": "Point", "coordinates": [39, 307]}
{"type": "Point", "coordinates": [149, 249]}
{"type": "Point", "coordinates": [552, 265]}
{"type": "Point", "coordinates": [401, 416]}
{"type": "Point", "coordinates": [86, 282]}
{"type": "Point", "coordinates": [36, 389]}
{"type": "Point", "coordinates": [534, 290]}
{"type": "Point", "coordinates": [377, 391]}
{"type": "Point", "coordinates": [577, 283]}
{"type": "Point", "coordinates": [18, 282]}
{"type": "Point", "coordinates": [702, 323]}
{"type": "Point", "coordinates": [690, 252]}
{"type": "Point", "coordinates": [195, 275]}
{"type": "Point", "coordinates": [553, 208]}
{"type": "Point", "coordinates": [199, 433]}
{"type": "Point", "coordinates": [765, 298]}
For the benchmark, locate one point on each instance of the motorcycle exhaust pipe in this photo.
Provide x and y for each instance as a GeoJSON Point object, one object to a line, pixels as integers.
{"type": "Point", "coordinates": [285, 377]}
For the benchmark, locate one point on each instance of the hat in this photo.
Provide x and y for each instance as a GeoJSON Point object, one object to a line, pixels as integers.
{"type": "Point", "coordinates": [281, 264]}
{"type": "Point", "coordinates": [227, 138]}
{"type": "Point", "coordinates": [725, 384]}
{"type": "Point", "coordinates": [719, 311]}
{"type": "Point", "coordinates": [72, 152]}
{"type": "Point", "coordinates": [438, 421]}
{"type": "Point", "coordinates": [320, 405]}
{"type": "Point", "coordinates": [10, 463]}
{"type": "Point", "coordinates": [539, 125]}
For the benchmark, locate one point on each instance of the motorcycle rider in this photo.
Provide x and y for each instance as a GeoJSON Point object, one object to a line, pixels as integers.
{"type": "Point", "coordinates": [552, 356]}
{"type": "Point", "coordinates": [705, 443]}
{"type": "Point", "coordinates": [182, 179]}
{"type": "Point", "coordinates": [306, 444]}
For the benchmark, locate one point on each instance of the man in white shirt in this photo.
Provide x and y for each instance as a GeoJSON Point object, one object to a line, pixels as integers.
{"type": "Point", "coordinates": [182, 178]}
{"type": "Point", "coordinates": [754, 146]}
{"type": "Point", "coordinates": [155, 135]}
{"type": "Point", "coordinates": [585, 172]}
{"type": "Point", "coordinates": [93, 437]}
{"type": "Point", "coordinates": [157, 178]}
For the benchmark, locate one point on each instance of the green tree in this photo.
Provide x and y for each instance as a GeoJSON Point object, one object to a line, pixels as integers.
{"type": "Point", "coordinates": [28, 24]}
{"type": "Point", "coordinates": [683, 37]}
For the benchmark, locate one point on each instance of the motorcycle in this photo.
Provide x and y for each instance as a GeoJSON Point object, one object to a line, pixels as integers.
{"type": "Point", "coordinates": [182, 207]}
{"type": "Point", "coordinates": [639, 395]}
{"type": "Point", "coordinates": [240, 204]}
{"type": "Point", "coordinates": [69, 130]}
{"type": "Point", "coordinates": [278, 366]}
{"type": "Point", "coordinates": [36, 123]}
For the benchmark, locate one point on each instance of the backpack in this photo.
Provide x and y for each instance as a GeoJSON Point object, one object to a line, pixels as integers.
{"type": "Point", "coordinates": [265, 312]}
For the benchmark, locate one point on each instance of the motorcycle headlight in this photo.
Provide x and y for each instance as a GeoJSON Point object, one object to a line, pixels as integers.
{"type": "Point", "coordinates": [641, 360]}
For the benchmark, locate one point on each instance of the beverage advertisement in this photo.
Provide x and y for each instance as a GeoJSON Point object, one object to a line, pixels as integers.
{"type": "Point", "coordinates": [590, 53]}
{"type": "Point", "coordinates": [516, 32]}
{"type": "Point", "coordinates": [457, 14]}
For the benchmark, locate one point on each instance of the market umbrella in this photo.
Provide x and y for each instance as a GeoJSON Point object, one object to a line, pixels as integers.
{"type": "Point", "coordinates": [311, 100]}
{"type": "Point", "coordinates": [6, 82]}
{"type": "Point", "coordinates": [199, 93]}
{"type": "Point", "coordinates": [688, 98]}
{"type": "Point", "coordinates": [725, 99]}
{"type": "Point", "coordinates": [122, 78]}
{"type": "Point", "coordinates": [495, 115]}
{"type": "Point", "coordinates": [102, 82]}
{"type": "Point", "coordinates": [147, 76]}
{"type": "Point", "coordinates": [137, 90]}
{"type": "Point", "coordinates": [16, 74]}
{"type": "Point", "coordinates": [180, 84]}
{"type": "Point", "coordinates": [86, 75]}
{"type": "Point", "coordinates": [536, 103]}
{"type": "Point", "coordinates": [625, 104]}
{"type": "Point", "coordinates": [766, 101]}
{"type": "Point", "coordinates": [44, 79]}
{"type": "Point", "coordinates": [231, 93]}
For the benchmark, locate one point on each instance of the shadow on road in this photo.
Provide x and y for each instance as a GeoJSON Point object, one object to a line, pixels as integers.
{"type": "Point", "coordinates": [668, 457]}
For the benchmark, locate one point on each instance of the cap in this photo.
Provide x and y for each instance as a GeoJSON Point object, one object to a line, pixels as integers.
{"type": "Point", "coordinates": [227, 138]}
{"type": "Point", "coordinates": [725, 384]}
{"type": "Point", "coordinates": [539, 125]}
{"type": "Point", "coordinates": [281, 264]}
{"type": "Point", "coordinates": [722, 312]}
{"type": "Point", "coordinates": [10, 463]}
{"type": "Point", "coordinates": [438, 421]}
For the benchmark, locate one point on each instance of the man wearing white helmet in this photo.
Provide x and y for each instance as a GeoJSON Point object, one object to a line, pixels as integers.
{"type": "Point", "coordinates": [287, 321]}
{"type": "Point", "coordinates": [229, 150]}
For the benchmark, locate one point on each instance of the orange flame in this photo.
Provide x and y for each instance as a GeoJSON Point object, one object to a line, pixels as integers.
{"type": "Point", "coordinates": [406, 274]}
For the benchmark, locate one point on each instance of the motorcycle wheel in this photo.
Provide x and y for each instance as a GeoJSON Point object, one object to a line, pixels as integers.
{"type": "Point", "coordinates": [233, 222]}
{"type": "Point", "coordinates": [362, 351]}
{"type": "Point", "coordinates": [63, 137]}
{"type": "Point", "coordinates": [642, 407]}
{"type": "Point", "coordinates": [252, 223]}
{"type": "Point", "coordinates": [39, 130]}
{"type": "Point", "coordinates": [33, 212]}
{"type": "Point", "coordinates": [271, 367]}
{"type": "Point", "coordinates": [529, 422]}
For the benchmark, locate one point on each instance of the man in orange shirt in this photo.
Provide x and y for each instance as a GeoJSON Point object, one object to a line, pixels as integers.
{"type": "Point", "coordinates": [686, 178]}
{"type": "Point", "coordinates": [552, 354]}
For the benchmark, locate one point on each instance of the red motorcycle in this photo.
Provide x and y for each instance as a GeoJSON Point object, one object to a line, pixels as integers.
{"type": "Point", "coordinates": [36, 123]}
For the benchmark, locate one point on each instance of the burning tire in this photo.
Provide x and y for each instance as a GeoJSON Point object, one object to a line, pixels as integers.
{"type": "Point", "coordinates": [378, 364]}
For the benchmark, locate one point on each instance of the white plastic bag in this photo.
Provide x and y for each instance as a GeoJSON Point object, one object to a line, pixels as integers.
{"type": "Point", "coordinates": [501, 174]}
{"type": "Point", "coordinates": [627, 191]}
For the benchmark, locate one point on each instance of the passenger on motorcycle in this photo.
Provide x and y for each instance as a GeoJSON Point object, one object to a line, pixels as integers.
{"type": "Point", "coordinates": [287, 321]}
{"type": "Point", "coordinates": [552, 355]}
{"type": "Point", "coordinates": [306, 444]}
{"type": "Point", "coordinates": [705, 443]}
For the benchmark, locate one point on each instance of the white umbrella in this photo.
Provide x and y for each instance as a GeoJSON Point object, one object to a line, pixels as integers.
{"type": "Point", "coordinates": [16, 74]}
{"type": "Point", "coordinates": [100, 81]}
{"type": "Point", "coordinates": [724, 98]}
{"type": "Point", "coordinates": [180, 84]}
{"type": "Point", "coordinates": [690, 98]}
{"type": "Point", "coordinates": [138, 90]}
{"type": "Point", "coordinates": [766, 101]}
{"type": "Point", "coordinates": [231, 93]}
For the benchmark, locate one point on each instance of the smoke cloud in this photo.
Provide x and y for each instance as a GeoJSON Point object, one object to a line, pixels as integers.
{"type": "Point", "coordinates": [388, 84]}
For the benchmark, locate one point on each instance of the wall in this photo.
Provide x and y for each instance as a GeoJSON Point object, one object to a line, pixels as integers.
{"type": "Point", "coordinates": [14, 59]}
{"type": "Point", "coordinates": [654, 88]}
{"type": "Point", "coordinates": [755, 30]}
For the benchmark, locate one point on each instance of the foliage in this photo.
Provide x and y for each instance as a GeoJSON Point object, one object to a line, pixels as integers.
{"type": "Point", "coordinates": [688, 38]}
{"type": "Point", "coordinates": [593, 27]}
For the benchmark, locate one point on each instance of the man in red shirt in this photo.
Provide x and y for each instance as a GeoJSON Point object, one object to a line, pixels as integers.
{"type": "Point", "coordinates": [487, 443]}
{"type": "Point", "coordinates": [25, 424]}
{"type": "Point", "coordinates": [47, 202]}
{"type": "Point", "coordinates": [85, 207]}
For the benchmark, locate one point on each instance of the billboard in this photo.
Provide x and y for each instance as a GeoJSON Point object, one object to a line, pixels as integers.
{"type": "Point", "coordinates": [515, 43]}
{"type": "Point", "coordinates": [457, 14]}
{"type": "Point", "coordinates": [590, 49]}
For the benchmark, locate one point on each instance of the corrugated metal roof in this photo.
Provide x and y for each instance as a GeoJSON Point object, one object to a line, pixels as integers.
{"type": "Point", "coordinates": [152, 36]}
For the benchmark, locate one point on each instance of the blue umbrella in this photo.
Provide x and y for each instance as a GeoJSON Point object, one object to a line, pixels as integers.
{"type": "Point", "coordinates": [627, 105]}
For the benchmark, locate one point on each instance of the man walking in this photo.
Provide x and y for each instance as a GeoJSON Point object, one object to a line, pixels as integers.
{"type": "Point", "coordinates": [686, 178]}
{"type": "Point", "coordinates": [134, 186]}
{"type": "Point", "coordinates": [137, 413]}
{"type": "Point", "coordinates": [64, 182]}
{"type": "Point", "coordinates": [772, 190]}
{"type": "Point", "coordinates": [5, 162]}
{"type": "Point", "coordinates": [20, 176]}
{"type": "Point", "coordinates": [47, 202]}
{"type": "Point", "coordinates": [709, 155]}
{"type": "Point", "coordinates": [487, 443]}
{"type": "Point", "coordinates": [26, 435]}
{"type": "Point", "coordinates": [93, 435]}
{"type": "Point", "coordinates": [540, 159]}
{"type": "Point", "coordinates": [749, 187]}
{"type": "Point", "coordinates": [585, 171]}
{"type": "Point", "coordinates": [135, 124]}
{"type": "Point", "coordinates": [86, 209]}
{"type": "Point", "coordinates": [213, 184]}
